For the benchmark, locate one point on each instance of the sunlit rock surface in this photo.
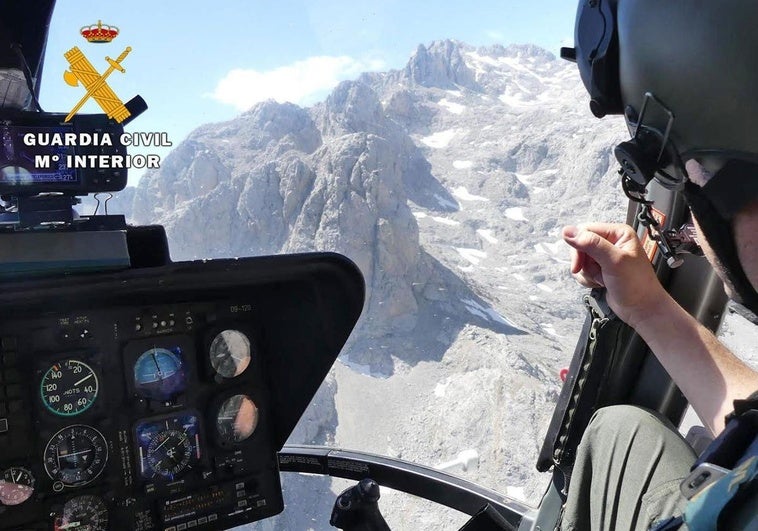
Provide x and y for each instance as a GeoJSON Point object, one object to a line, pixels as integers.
{"type": "Point", "coordinates": [447, 182]}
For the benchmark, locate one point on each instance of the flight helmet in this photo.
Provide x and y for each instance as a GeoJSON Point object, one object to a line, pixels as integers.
{"type": "Point", "coordinates": [684, 75]}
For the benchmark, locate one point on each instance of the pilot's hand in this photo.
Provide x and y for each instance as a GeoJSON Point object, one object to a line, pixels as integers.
{"type": "Point", "coordinates": [611, 256]}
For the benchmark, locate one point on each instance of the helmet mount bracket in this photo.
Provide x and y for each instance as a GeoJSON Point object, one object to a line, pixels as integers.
{"type": "Point", "coordinates": [649, 152]}
{"type": "Point", "coordinates": [642, 159]}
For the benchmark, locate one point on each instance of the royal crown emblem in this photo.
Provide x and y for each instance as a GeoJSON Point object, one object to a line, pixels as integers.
{"type": "Point", "coordinates": [99, 33]}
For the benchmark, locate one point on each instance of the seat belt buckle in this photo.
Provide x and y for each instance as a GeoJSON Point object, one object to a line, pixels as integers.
{"type": "Point", "coordinates": [704, 475]}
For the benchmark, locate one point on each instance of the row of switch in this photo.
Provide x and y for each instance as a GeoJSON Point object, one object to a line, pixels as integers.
{"type": "Point", "coordinates": [194, 523]}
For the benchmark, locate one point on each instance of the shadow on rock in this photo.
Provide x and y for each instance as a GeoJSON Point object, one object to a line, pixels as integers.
{"type": "Point", "coordinates": [446, 305]}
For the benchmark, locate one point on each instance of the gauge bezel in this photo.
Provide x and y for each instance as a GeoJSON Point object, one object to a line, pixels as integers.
{"type": "Point", "coordinates": [250, 331]}
{"type": "Point", "coordinates": [184, 441]}
{"type": "Point", "coordinates": [79, 499]}
{"type": "Point", "coordinates": [250, 354]}
{"type": "Point", "coordinates": [31, 485]}
{"type": "Point", "coordinates": [214, 407]}
{"type": "Point", "coordinates": [77, 358]}
{"type": "Point", "coordinates": [220, 404]}
{"type": "Point", "coordinates": [90, 479]}
{"type": "Point", "coordinates": [178, 357]}
{"type": "Point", "coordinates": [140, 446]}
{"type": "Point", "coordinates": [136, 348]}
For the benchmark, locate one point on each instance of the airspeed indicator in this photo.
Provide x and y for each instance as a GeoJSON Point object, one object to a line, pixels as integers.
{"type": "Point", "coordinates": [69, 388]}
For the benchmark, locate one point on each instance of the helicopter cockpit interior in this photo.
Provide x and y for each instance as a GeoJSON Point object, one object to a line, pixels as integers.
{"type": "Point", "coordinates": [139, 393]}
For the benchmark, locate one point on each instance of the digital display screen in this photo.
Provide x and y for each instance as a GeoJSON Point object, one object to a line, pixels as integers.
{"type": "Point", "coordinates": [28, 156]}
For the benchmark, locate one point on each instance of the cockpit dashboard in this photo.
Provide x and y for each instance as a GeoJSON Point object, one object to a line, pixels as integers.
{"type": "Point", "coordinates": [157, 399]}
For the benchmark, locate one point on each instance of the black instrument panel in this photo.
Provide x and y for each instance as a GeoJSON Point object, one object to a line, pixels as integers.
{"type": "Point", "coordinates": [116, 414]}
{"type": "Point", "coordinates": [116, 410]}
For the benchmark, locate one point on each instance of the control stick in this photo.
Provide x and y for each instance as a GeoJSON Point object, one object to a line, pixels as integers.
{"type": "Point", "coordinates": [356, 508]}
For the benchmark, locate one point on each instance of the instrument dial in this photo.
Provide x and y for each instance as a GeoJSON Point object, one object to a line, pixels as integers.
{"type": "Point", "coordinates": [230, 353]}
{"type": "Point", "coordinates": [169, 453]}
{"type": "Point", "coordinates": [83, 513]}
{"type": "Point", "coordinates": [168, 447]}
{"type": "Point", "coordinates": [69, 388]}
{"type": "Point", "coordinates": [16, 486]}
{"type": "Point", "coordinates": [159, 374]}
{"type": "Point", "coordinates": [237, 419]}
{"type": "Point", "coordinates": [76, 455]}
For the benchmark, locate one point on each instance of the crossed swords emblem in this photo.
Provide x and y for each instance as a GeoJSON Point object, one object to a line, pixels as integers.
{"type": "Point", "coordinates": [96, 84]}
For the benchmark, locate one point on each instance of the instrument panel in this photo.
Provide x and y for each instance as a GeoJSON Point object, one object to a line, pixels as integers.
{"type": "Point", "coordinates": [136, 417]}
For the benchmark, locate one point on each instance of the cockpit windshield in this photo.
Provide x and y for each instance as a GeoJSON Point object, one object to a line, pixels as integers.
{"type": "Point", "coordinates": [440, 146]}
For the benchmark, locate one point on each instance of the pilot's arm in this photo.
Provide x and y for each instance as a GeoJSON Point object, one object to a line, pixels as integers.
{"type": "Point", "coordinates": [709, 375]}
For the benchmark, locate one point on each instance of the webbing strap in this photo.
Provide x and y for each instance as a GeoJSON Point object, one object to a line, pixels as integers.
{"type": "Point", "coordinates": [545, 460]}
{"type": "Point", "coordinates": [583, 389]}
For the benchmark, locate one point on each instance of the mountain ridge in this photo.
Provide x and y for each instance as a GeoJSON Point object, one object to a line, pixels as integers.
{"type": "Point", "coordinates": [447, 182]}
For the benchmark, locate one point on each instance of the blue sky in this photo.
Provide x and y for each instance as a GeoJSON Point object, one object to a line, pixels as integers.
{"type": "Point", "coordinates": [197, 61]}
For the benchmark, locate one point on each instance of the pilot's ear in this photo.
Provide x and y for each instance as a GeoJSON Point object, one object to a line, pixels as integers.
{"type": "Point", "coordinates": [697, 173]}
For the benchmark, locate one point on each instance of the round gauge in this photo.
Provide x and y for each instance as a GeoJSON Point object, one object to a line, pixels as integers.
{"type": "Point", "coordinates": [68, 388]}
{"type": "Point", "coordinates": [230, 353]}
{"type": "Point", "coordinates": [16, 486]}
{"type": "Point", "coordinates": [159, 374]}
{"type": "Point", "coordinates": [237, 419]}
{"type": "Point", "coordinates": [83, 513]}
{"type": "Point", "coordinates": [169, 453]}
{"type": "Point", "coordinates": [76, 455]}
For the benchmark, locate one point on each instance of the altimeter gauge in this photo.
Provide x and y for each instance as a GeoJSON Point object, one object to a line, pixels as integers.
{"type": "Point", "coordinates": [68, 388]}
{"type": "Point", "coordinates": [76, 455]}
{"type": "Point", "coordinates": [83, 513]}
{"type": "Point", "coordinates": [16, 485]}
{"type": "Point", "coordinates": [230, 353]}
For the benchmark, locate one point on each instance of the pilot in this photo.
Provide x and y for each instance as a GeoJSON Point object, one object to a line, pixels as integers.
{"type": "Point", "coordinates": [697, 59]}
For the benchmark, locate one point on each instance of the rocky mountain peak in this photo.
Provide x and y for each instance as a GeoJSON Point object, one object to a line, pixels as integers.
{"type": "Point", "coordinates": [440, 65]}
{"type": "Point", "coordinates": [447, 182]}
{"type": "Point", "coordinates": [352, 107]}
{"type": "Point", "coordinates": [519, 51]}
{"type": "Point", "coordinates": [270, 121]}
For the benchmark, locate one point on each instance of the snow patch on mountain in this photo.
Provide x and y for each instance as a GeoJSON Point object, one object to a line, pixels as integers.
{"type": "Point", "coordinates": [475, 256]}
{"type": "Point", "coordinates": [462, 193]}
{"type": "Point", "coordinates": [440, 139]}
{"type": "Point", "coordinates": [487, 235]}
{"type": "Point", "coordinates": [515, 213]}
{"type": "Point", "coordinates": [446, 221]}
{"type": "Point", "coordinates": [446, 203]}
{"type": "Point", "coordinates": [487, 313]}
{"type": "Point", "coordinates": [455, 108]}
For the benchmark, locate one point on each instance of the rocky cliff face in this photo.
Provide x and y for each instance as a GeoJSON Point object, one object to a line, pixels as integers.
{"type": "Point", "coordinates": [447, 183]}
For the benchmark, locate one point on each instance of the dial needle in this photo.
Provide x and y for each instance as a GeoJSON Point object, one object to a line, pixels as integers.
{"type": "Point", "coordinates": [90, 375]}
{"type": "Point", "coordinates": [161, 444]}
{"type": "Point", "coordinates": [157, 367]}
{"type": "Point", "coordinates": [78, 453]}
